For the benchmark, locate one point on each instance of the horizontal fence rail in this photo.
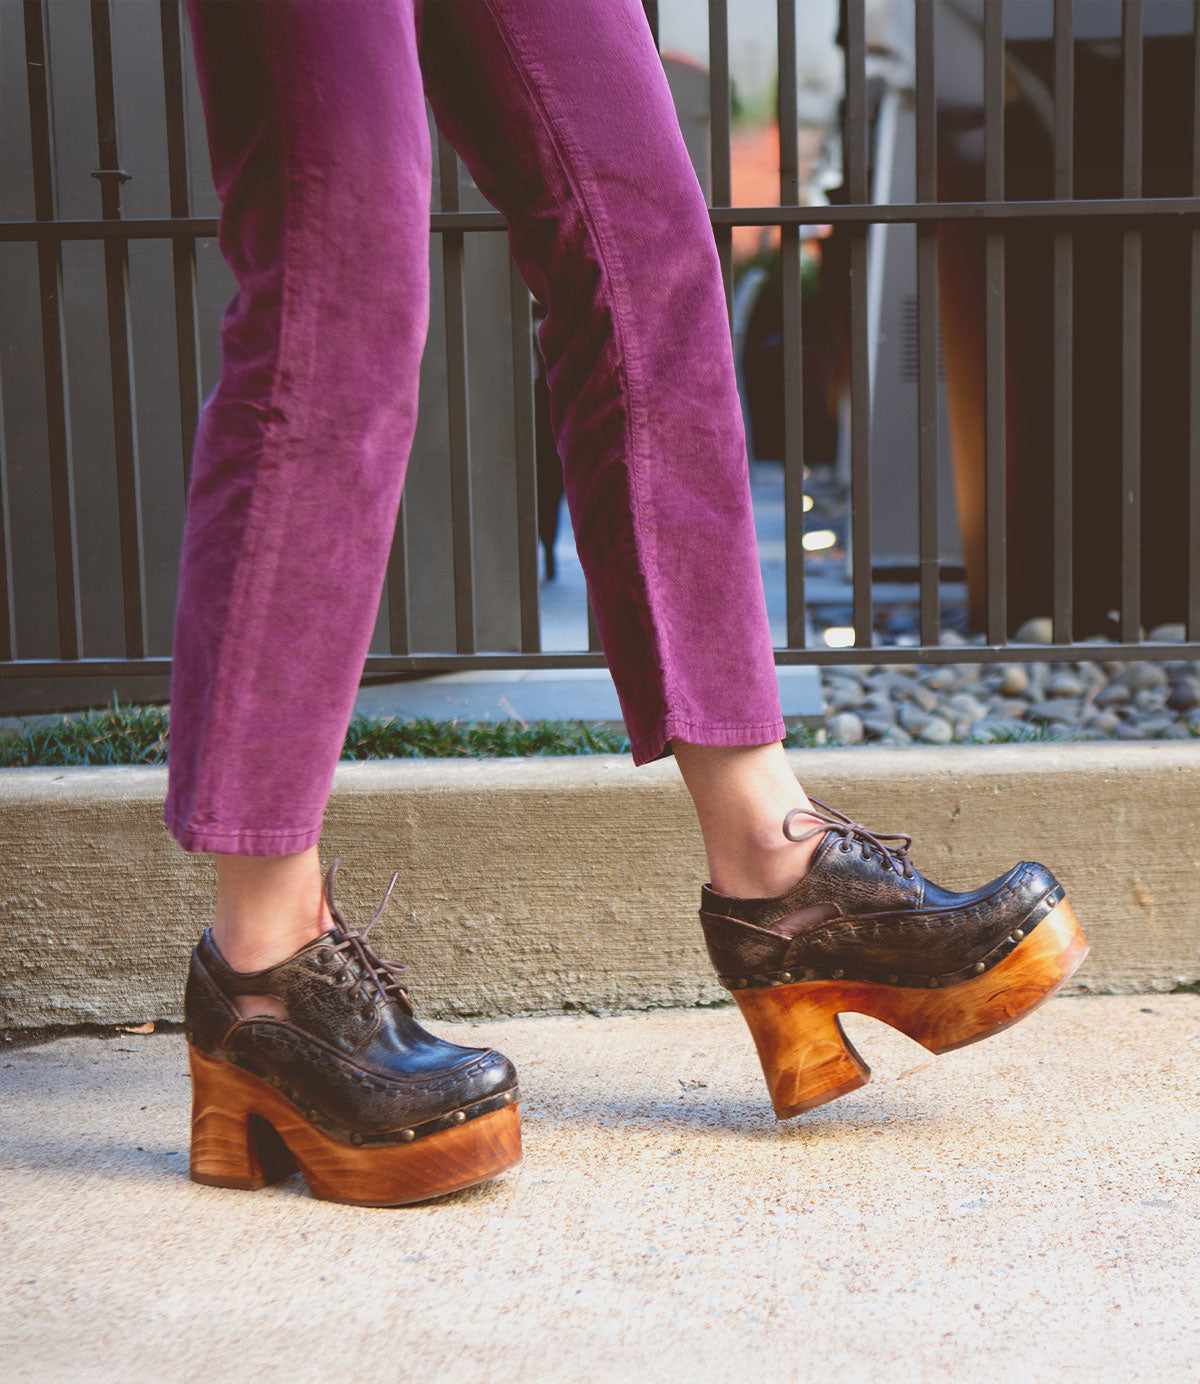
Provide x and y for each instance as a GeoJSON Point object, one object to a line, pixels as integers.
{"type": "Point", "coordinates": [1134, 216]}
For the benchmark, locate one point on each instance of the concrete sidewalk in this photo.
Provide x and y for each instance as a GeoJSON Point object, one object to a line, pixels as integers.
{"type": "Point", "coordinates": [1025, 1209]}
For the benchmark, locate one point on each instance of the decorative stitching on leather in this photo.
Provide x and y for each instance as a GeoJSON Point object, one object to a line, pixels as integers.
{"type": "Point", "coordinates": [839, 969]}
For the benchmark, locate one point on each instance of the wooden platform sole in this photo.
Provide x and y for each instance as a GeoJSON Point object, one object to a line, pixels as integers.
{"type": "Point", "coordinates": [808, 1060]}
{"type": "Point", "coordinates": [246, 1135]}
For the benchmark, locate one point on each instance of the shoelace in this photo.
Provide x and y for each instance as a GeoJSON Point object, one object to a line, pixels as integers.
{"type": "Point", "coordinates": [894, 857]}
{"type": "Point", "coordinates": [352, 944]}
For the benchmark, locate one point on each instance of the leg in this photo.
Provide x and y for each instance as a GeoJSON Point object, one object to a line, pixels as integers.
{"type": "Point", "coordinates": [320, 151]}
{"type": "Point", "coordinates": [301, 1038]}
{"type": "Point", "coordinates": [608, 224]}
{"type": "Point", "coordinates": [563, 115]}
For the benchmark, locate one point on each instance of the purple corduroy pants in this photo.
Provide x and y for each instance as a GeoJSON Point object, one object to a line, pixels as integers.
{"type": "Point", "coordinates": [320, 152]}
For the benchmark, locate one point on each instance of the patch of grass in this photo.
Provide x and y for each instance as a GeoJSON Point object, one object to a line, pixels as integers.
{"type": "Point", "coordinates": [138, 735]}
{"type": "Point", "coordinates": [385, 737]}
{"type": "Point", "coordinates": [120, 735]}
{"type": "Point", "coordinates": [802, 738]}
{"type": "Point", "coordinates": [1030, 732]}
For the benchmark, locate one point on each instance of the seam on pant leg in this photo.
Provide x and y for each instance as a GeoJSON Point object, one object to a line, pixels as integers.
{"type": "Point", "coordinates": [652, 747]}
{"type": "Point", "coordinates": [224, 698]}
{"type": "Point", "coordinates": [524, 69]}
{"type": "Point", "coordinates": [205, 839]}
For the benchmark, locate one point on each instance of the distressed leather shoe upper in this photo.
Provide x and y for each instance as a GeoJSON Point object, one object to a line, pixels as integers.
{"type": "Point", "coordinates": [862, 912]}
{"type": "Point", "coordinates": [349, 1055]}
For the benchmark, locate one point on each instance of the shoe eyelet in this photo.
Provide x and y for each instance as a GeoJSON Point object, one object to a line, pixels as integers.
{"type": "Point", "coordinates": [324, 955]}
{"type": "Point", "coordinates": [845, 846]}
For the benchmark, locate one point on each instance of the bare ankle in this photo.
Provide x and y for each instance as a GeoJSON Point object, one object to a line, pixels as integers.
{"type": "Point", "coordinates": [742, 795]}
{"type": "Point", "coordinates": [758, 870]}
{"type": "Point", "coordinates": [268, 907]}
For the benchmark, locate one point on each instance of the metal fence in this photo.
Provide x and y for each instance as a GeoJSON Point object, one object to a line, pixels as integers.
{"type": "Point", "coordinates": [1058, 222]}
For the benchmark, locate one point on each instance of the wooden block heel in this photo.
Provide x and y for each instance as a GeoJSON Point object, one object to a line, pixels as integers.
{"type": "Point", "coordinates": [807, 1059]}
{"type": "Point", "coordinates": [805, 1056]}
{"type": "Point", "coordinates": [246, 1135]}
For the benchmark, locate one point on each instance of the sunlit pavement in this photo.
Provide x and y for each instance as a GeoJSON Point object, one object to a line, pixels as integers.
{"type": "Point", "coordinates": [1026, 1208]}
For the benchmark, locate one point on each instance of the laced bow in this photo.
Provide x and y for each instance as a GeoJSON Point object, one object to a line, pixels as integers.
{"type": "Point", "coordinates": [351, 943]}
{"type": "Point", "coordinates": [894, 856]}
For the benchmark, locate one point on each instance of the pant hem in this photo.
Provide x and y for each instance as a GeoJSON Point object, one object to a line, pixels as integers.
{"type": "Point", "coordinates": [656, 746]}
{"type": "Point", "coordinates": [215, 841]}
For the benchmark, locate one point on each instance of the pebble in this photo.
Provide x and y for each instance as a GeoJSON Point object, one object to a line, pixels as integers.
{"type": "Point", "coordinates": [1154, 727]}
{"type": "Point", "coordinates": [936, 731]}
{"type": "Point", "coordinates": [895, 704]}
{"type": "Point", "coordinates": [1039, 630]}
{"type": "Point", "coordinates": [1184, 694]}
{"type": "Point", "coordinates": [1103, 721]}
{"type": "Point", "coordinates": [943, 679]}
{"type": "Point", "coordinates": [1057, 711]}
{"type": "Point", "coordinates": [845, 729]}
{"type": "Point", "coordinates": [966, 707]}
{"type": "Point", "coordinates": [1015, 680]}
{"type": "Point", "coordinates": [845, 696]}
{"type": "Point", "coordinates": [876, 727]}
{"type": "Point", "coordinates": [920, 696]}
{"type": "Point", "coordinates": [875, 703]}
{"type": "Point", "coordinates": [1129, 730]}
{"type": "Point", "coordinates": [1139, 677]}
{"type": "Point", "coordinates": [1065, 685]}
{"type": "Point", "coordinates": [912, 718]}
{"type": "Point", "coordinates": [1007, 706]}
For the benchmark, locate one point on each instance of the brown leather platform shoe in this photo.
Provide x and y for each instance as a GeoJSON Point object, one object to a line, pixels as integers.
{"type": "Point", "coordinates": [349, 1088]}
{"type": "Point", "coordinates": [865, 932]}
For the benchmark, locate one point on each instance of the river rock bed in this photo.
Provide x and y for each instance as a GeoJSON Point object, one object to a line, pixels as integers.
{"type": "Point", "coordinates": [973, 703]}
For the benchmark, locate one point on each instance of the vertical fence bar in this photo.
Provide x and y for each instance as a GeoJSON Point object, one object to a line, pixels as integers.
{"type": "Point", "coordinates": [54, 350]}
{"type": "Point", "coordinates": [1064, 309]}
{"type": "Point", "coordinates": [1131, 328]}
{"type": "Point", "coordinates": [524, 458]}
{"type": "Point", "coordinates": [995, 440]}
{"type": "Point", "coordinates": [720, 154]}
{"type": "Point", "coordinates": [860, 381]}
{"type": "Point", "coordinates": [793, 349]}
{"type": "Point", "coordinates": [651, 9]}
{"type": "Point", "coordinates": [183, 247]}
{"type": "Point", "coordinates": [927, 332]}
{"type": "Point", "coordinates": [1193, 595]}
{"type": "Point", "coordinates": [399, 614]}
{"type": "Point", "coordinates": [120, 339]}
{"type": "Point", "coordinates": [456, 394]}
{"type": "Point", "coordinates": [8, 625]}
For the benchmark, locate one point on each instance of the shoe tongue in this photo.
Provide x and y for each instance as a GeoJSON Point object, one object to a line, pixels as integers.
{"type": "Point", "coordinates": [827, 843]}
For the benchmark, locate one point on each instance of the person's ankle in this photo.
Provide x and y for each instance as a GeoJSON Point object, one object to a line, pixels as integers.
{"type": "Point", "coordinates": [267, 908]}
{"type": "Point", "coordinates": [258, 949]}
{"type": "Point", "coordinates": [765, 863]}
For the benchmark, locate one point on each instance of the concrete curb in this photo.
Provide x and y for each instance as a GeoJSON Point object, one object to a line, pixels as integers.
{"type": "Point", "coordinates": [536, 886]}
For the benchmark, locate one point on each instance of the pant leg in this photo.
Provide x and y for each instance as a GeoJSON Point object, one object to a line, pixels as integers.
{"type": "Point", "coordinates": [319, 143]}
{"type": "Point", "coordinates": [563, 116]}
